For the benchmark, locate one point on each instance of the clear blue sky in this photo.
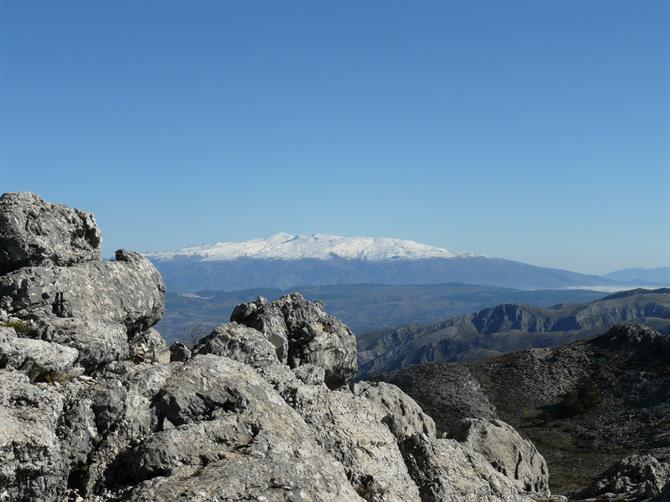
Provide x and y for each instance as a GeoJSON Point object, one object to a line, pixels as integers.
{"type": "Point", "coordinates": [531, 130]}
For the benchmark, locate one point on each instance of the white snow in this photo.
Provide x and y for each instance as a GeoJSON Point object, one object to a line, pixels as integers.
{"type": "Point", "coordinates": [285, 246]}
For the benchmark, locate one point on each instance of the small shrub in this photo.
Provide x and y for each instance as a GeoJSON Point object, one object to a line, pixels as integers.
{"type": "Point", "coordinates": [579, 401]}
{"type": "Point", "coordinates": [22, 328]}
{"type": "Point", "coordinates": [39, 375]}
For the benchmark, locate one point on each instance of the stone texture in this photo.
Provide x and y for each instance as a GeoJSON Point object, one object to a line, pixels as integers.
{"type": "Point", "coordinates": [32, 463]}
{"type": "Point", "coordinates": [240, 343]}
{"type": "Point", "coordinates": [97, 343]}
{"type": "Point", "coordinates": [127, 291]}
{"type": "Point", "coordinates": [312, 336]}
{"type": "Point", "coordinates": [40, 360]}
{"type": "Point", "coordinates": [352, 429]}
{"type": "Point", "coordinates": [404, 417]}
{"type": "Point", "coordinates": [633, 479]}
{"type": "Point", "coordinates": [235, 438]}
{"type": "Point", "coordinates": [149, 346]}
{"type": "Point", "coordinates": [179, 352]}
{"type": "Point", "coordinates": [509, 453]}
{"type": "Point", "coordinates": [34, 232]}
{"type": "Point", "coordinates": [446, 471]}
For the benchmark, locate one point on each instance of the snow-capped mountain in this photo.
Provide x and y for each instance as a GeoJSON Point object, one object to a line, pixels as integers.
{"type": "Point", "coordinates": [283, 246]}
{"type": "Point", "coordinates": [284, 261]}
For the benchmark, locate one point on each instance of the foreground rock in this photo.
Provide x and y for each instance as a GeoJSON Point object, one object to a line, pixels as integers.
{"type": "Point", "coordinates": [34, 232]}
{"type": "Point", "coordinates": [95, 406]}
{"type": "Point", "coordinates": [303, 333]}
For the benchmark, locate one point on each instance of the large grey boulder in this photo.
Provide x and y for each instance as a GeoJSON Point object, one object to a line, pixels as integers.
{"type": "Point", "coordinates": [34, 232]}
{"type": "Point", "coordinates": [404, 417]}
{"type": "Point", "coordinates": [240, 343]}
{"type": "Point", "coordinates": [508, 452]}
{"type": "Point", "coordinates": [128, 291]}
{"type": "Point", "coordinates": [447, 471]}
{"type": "Point", "coordinates": [32, 462]}
{"type": "Point", "coordinates": [225, 434]}
{"type": "Point", "coordinates": [353, 430]}
{"type": "Point", "coordinates": [39, 360]}
{"type": "Point", "coordinates": [304, 333]}
{"type": "Point", "coordinates": [97, 343]}
{"type": "Point", "coordinates": [636, 478]}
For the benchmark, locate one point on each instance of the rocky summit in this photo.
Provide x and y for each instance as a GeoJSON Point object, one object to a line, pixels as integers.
{"type": "Point", "coordinates": [94, 406]}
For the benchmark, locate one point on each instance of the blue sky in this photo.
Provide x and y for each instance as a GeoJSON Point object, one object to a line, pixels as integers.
{"type": "Point", "coordinates": [536, 131]}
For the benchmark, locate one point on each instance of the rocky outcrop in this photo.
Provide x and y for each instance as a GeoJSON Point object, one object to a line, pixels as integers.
{"type": "Point", "coordinates": [508, 453]}
{"type": "Point", "coordinates": [95, 406]}
{"type": "Point", "coordinates": [632, 479]}
{"type": "Point", "coordinates": [584, 405]}
{"type": "Point", "coordinates": [34, 233]}
{"type": "Point", "coordinates": [303, 333]}
{"type": "Point", "coordinates": [446, 471]}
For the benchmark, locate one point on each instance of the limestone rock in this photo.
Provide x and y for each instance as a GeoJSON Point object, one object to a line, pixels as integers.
{"type": "Point", "coordinates": [34, 232]}
{"type": "Point", "coordinates": [351, 428]}
{"type": "Point", "coordinates": [633, 479]}
{"type": "Point", "coordinates": [446, 471]}
{"type": "Point", "coordinates": [127, 291]}
{"type": "Point", "coordinates": [310, 374]}
{"type": "Point", "coordinates": [40, 360]}
{"type": "Point", "coordinates": [403, 417]}
{"type": "Point", "coordinates": [32, 463]}
{"type": "Point", "coordinates": [97, 343]}
{"type": "Point", "coordinates": [179, 352]}
{"type": "Point", "coordinates": [149, 346]}
{"type": "Point", "coordinates": [266, 318]}
{"type": "Point", "coordinates": [240, 343]}
{"type": "Point", "coordinates": [509, 453]}
{"type": "Point", "coordinates": [312, 336]}
{"type": "Point", "coordinates": [235, 439]}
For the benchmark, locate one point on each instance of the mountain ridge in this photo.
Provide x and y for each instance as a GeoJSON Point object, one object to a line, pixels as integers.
{"type": "Point", "coordinates": [507, 328]}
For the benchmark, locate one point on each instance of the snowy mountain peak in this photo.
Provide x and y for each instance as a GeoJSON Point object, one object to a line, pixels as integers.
{"type": "Point", "coordinates": [284, 246]}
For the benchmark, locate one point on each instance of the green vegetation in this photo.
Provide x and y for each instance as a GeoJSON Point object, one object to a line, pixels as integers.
{"type": "Point", "coordinates": [578, 401]}
{"type": "Point", "coordinates": [22, 328]}
{"type": "Point", "coordinates": [38, 375]}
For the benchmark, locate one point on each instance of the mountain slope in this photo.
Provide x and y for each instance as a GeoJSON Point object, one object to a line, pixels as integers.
{"type": "Point", "coordinates": [509, 327]}
{"type": "Point", "coordinates": [363, 307]}
{"type": "Point", "coordinates": [284, 261]}
{"type": "Point", "coordinates": [658, 275]}
{"type": "Point", "coordinates": [584, 405]}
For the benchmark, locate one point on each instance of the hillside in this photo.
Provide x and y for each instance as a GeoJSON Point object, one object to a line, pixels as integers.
{"type": "Point", "coordinates": [509, 327]}
{"type": "Point", "coordinates": [363, 307]}
{"type": "Point", "coordinates": [584, 405]}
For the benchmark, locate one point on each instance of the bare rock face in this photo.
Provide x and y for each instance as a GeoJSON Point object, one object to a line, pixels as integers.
{"type": "Point", "coordinates": [40, 360]}
{"type": "Point", "coordinates": [403, 417]}
{"type": "Point", "coordinates": [33, 466]}
{"type": "Point", "coordinates": [240, 343]}
{"type": "Point", "coordinates": [303, 333]}
{"type": "Point", "coordinates": [235, 439]}
{"type": "Point", "coordinates": [509, 453]}
{"type": "Point", "coordinates": [351, 428]}
{"type": "Point", "coordinates": [34, 232]}
{"type": "Point", "coordinates": [633, 479]}
{"type": "Point", "coordinates": [266, 318]}
{"type": "Point", "coordinates": [447, 471]}
{"type": "Point", "coordinates": [127, 291]}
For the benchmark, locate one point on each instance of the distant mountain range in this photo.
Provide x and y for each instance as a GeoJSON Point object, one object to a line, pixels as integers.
{"type": "Point", "coordinates": [284, 261]}
{"type": "Point", "coordinates": [508, 327]}
{"type": "Point", "coordinates": [363, 307]}
{"type": "Point", "coordinates": [658, 275]}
